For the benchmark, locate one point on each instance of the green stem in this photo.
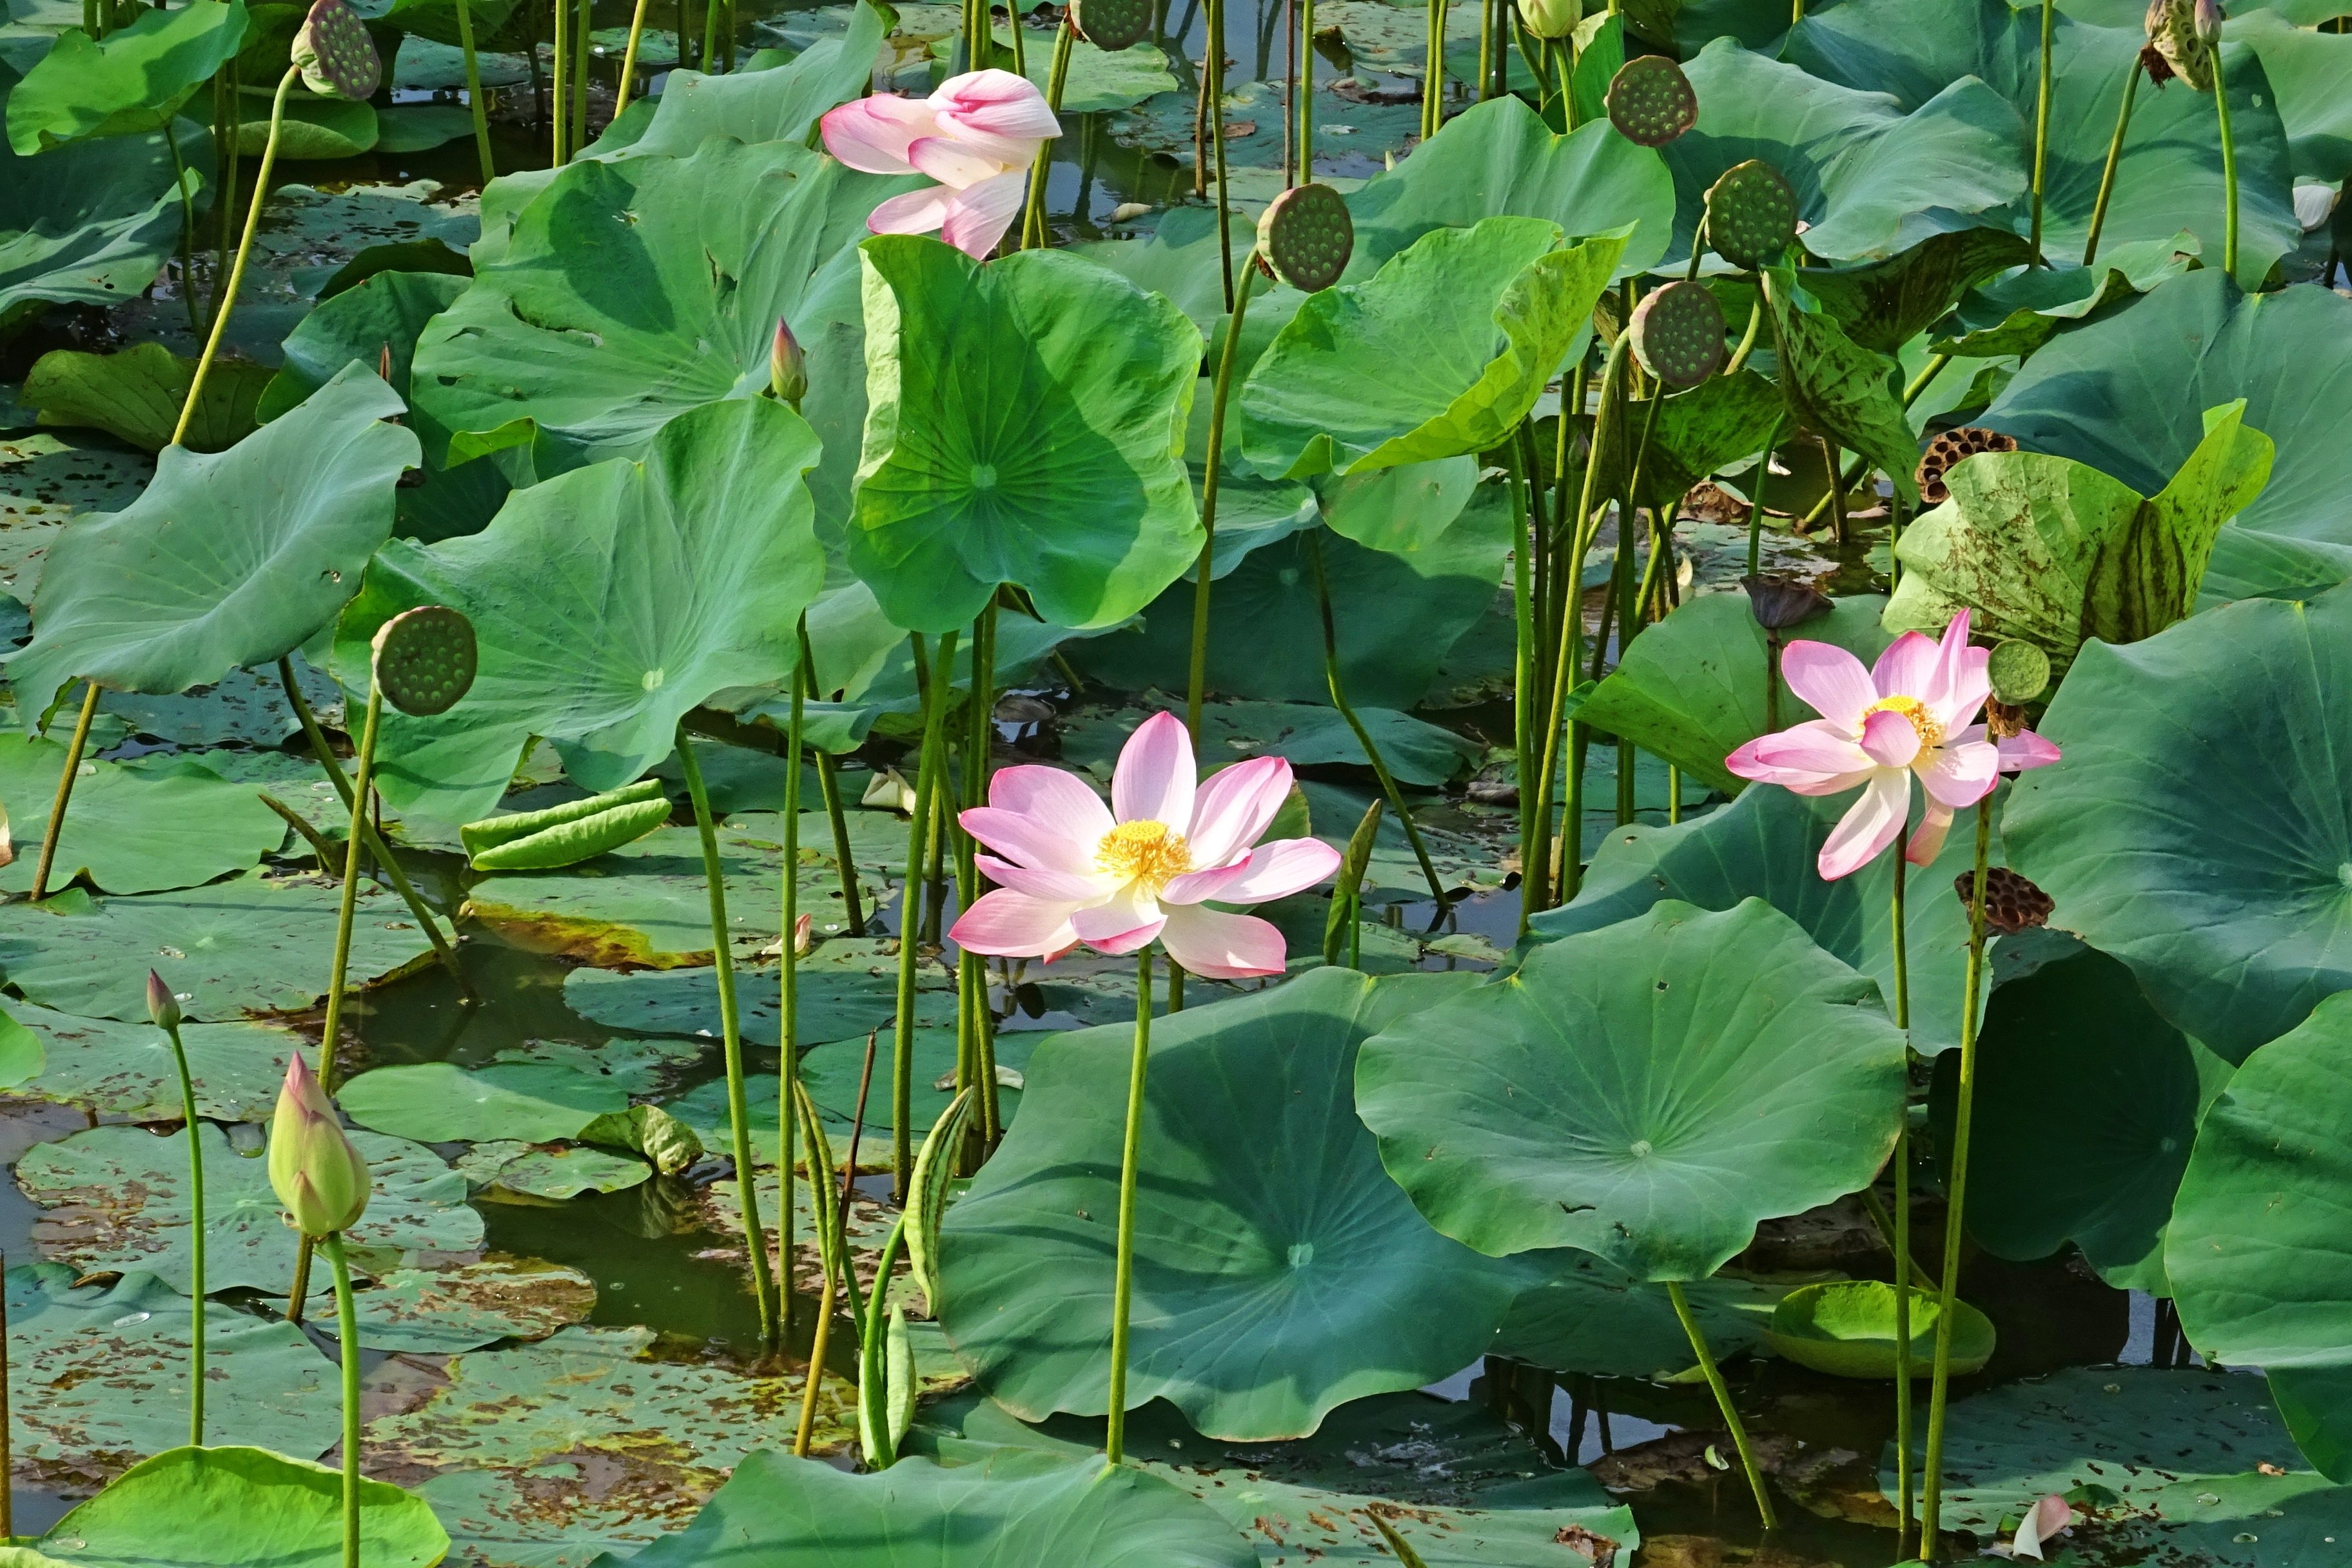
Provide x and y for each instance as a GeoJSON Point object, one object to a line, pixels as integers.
{"type": "Point", "coordinates": [1956, 1195]}
{"type": "Point", "coordinates": [1756, 502]}
{"type": "Point", "coordinates": [1902, 1237]}
{"type": "Point", "coordinates": [195, 1241]}
{"type": "Point", "coordinates": [1123, 1280]}
{"type": "Point", "coordinates": [1522, 681]}
{"type": "Point", "coordinates": [1216, 124]}
{"type": "Point", "coordinates": [227, 115]}
{"type": "Point", "coordinates": [65, 793]}
{"type": "Point", "coordinates": [1723, 1403]}
{"type": "Point", "coordinates": [788, 980]}
{"type": "Point", "coordinates": [559, 74]}
{"type": "Point", "coordinates": [2115, 157]}
{"type": "Point", "coordinates": [187, 227]}
{"type": "Point", "coordinates": [474, 83]}
{"type": "Point", "coordinates": [1220, 390]}
{"type": "Point", "coordinates": [581, 25]}
{"type": "Point", "coordinates": [2041, 127]}
{"type": "Point", "coordinates": [1433, 77]}
{"type": "Point", "coordinates": [244, 250]}
{"type": "Point", "coordinates": [1747, 345]}
{"type": "Point", "coordinates": [361, 790]}
{"type": "Point", "coordinates": [629, 59]}
{"type": "Point", "coordinates": [1306, 91]}
{"type": "Point", "coordinates": [828, 783]}
{"type": "Point", "coordinates": [902, 1039]}
{"type": "Point", "coordinates": [347, 1329]}
{"type": "Point", "coordinates": [1033, 217]}
{"type": "Point", "coordinates": [974, 1055]}
{"type": "Point", "coordinates": [2229, 170]}
{"type": "Point", "coordinates": [739, 1119]}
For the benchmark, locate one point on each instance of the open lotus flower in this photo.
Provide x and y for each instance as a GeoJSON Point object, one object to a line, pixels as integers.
{"type": "Point", "coordinates": [976, 136]}
{"type": "Point", "coordinates": [1070, 871]}
{"type": "Point", "coordinates": [1912, 714]}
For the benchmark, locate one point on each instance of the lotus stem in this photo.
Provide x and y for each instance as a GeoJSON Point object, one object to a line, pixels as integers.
{"type": "Point", "coordinates": [1220, 390]}
{"type": "Point", "coordinates": [788, 978]}
{"type": "Point", "coordinates": [1033, 217]}
{"type": "Point", "coordinates": [65, 793]}
{"type": "Point", "coordinates": [559, 74]}
{"type": "Point", "coordinates": [2229, 170]}
{"type": "Point", "coordinates": [349, 902]}
{"type": "Point", "coordinates": [581, 27]}
{"type": "Point", "coordinates": [1432, 76]}
{"type": "Point", "coordinates": [187, 227]}
{"type": "Point", "coordinates": [628, 69]}
{"type": "Point", "coordinates": [731, 1038]}
{"type": "Point", "coordinates": [1306, 91]}
{"type": "Point", "coordinates": [974, 1018]}
{"type": "Point", "coordinates": [902, 1041]}
{"type": "Point", "coordinates": [1523, 679]}
{"type": "Point", "coordinates": [7, 1422]}
{"type": "Point", "coordinates": [1485, 50]}
{"type": "Point", "coordinates": [1216, 123]}
{"type": "Point", "coordinates": [1746, 344]}
{"type": "Point", "coordinates": [1123, 1279]}
{"type": "Point", "coordinates": [2115, 157]}
{"type": "Point", "coordinates": [1363, 736]}
{"type": "Point", "coordinates": [709, 35]}
{"type": "Point", "coordinates": [244, 250]}
{"type": "Point", "coordinates": [817, 1347]}
{"type": "Point", "coordinates": [1902, 1236]}
{"type": "Point", "coordinates": [828, 783]}
{"type": "Point", "coordinates": [474, 83]}
{"type": "Point", "coordinates": [1756, 527]}
{"type": "Point", "coordinates": [2042, 126]}
{"type": "Point", "coordinates": [195, 1243]}
{"type": "Point", "coordinates": [1723, 1403]}
{"type": "Point", "coordinates": [347, 1330]}
{"type": "Point", "coordinates": [226, 117]}
{"type": "Point", "coordinates": [1932, 1495]}
{"type": "Point", "coordinates": [873, 1386]}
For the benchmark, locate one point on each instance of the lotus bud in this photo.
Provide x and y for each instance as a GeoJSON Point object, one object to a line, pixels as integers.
{"type": "Point", "coordinates": [2208, 22]}
{"type": "Point", "coordinates": [162, 1005]}
{"type": "Point", "coordinates": [801, 929]}
{"type": "Point", "coordinates": [1779, 603]}
{"type": "Point", "coordinates": [318, 1175]}
{"type": "Point", "coordinates": [787, 366]}
{"type": "Point", "coordinates": [1551, 18]}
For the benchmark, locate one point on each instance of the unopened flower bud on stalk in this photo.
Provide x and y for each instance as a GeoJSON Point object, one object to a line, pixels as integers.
{"type": "Point", "coordinates": [787, 366]}
{"type": "Point", "coordinates": [318, 1175]}
{"type": "Point", "coordinates": [162, 1005]}
{"type": "Point", "coordinates": [1550, 18]}
{"type": "Point", "coordinates": [2208, 22]}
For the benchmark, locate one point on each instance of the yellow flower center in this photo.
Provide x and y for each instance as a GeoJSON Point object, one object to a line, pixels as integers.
{"type": "Point", "coordinates": [1148, 852]}
{"type": "Point", "coordinates": [1922, 723]}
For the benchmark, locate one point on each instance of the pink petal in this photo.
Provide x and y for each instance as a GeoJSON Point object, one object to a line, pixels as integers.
{"type": "Point", "coordinates": [1154, 779]}
{"type": "Point", "coordinates": [915, 212]}
{"type": "Point", "coordinates": [1907, 667]}
{"type": "Point", "coordinates": [1054, 886]}
{"type": "Point", "coordinates": [2043, 1520]}
{"type": "Point", "coordinates": [2021, 751]}
{"type": "Point", "coordinates": [1055, 796]}
{"type": "Point", "coordinates": [1831, 679]}
{"type": "Point", "coordinates": [1009, 924]}
{"type": "Point", "coordinates": [1033, 839]}
{"type": "Point", "coordinates": [1197, 886]}
{"type": "Point", "coordinates": [1219, 946]}
{"type": "Point", "coordinates": [1928, 839]}
{"type": "Point", "coordinates": [1123, 922]}
{"type": "Point", "coordinates": [1234, 806]}
{"type": "Point", "coordinates": [1961, 776]}
{"type": "Point", "coordinates": [979, 216]}
{"type": "Point", "coordinates": [871, 134]}
{"type": "Point", "coordinates": [1868, 826]}
{"type": "Point", "coordinates": [995, 112]}
{"type": "Point", "coordinates": [1279, 869]}
{"type": "Point", "coordinates": [1961, 681]}
{"type": "Point", "coordinates": [950, 163]}
{"type": "Point", "coordinates": [1890, 739]}
{"type": "Point", "coordinates": [1816, 757]}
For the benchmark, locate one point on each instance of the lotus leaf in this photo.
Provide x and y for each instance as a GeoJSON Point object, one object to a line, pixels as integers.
{"type": "Point", "coordinates": [134, 80]}
{"type": "Point", "coordinates": [227, 560]}
{"type": "Point", "coordinates": [554, 1172]}
{"type": "Point", "coordinates": [2230, 916]}
{"type": "Point", "coordinates": [132, 830]}
{"type": "Point", "coordinates": [1840, 389]}
{"type": "Point", "coordinates": [118, 1199]}
{"type": "Point", "coordinates": [1713, 426]}
{"type": "Point", "coordinates": [2305, 67]}
{"type": "Point", "coordinates": [87, 224]}
{"type": "Point", "coordinates": [1267, 1291]}
{"type": "Point", "coordinates": [1591, 1317]}
{"type": "Point", "coordinates": [442, 1311]}
{"type": "Point", "coordinates": [125, 1068]}
{"type": "Point", "coordinates": [438, 1103]}
{"type": "Point", "coordinates": [2016, 314]}
{"type": "Point", "coordinates": [249, 944]}
{"type": "Point", "coordinates": [1882, 305]}
{"type": "Point", "coordinates": [1648, 1091]}
{"type": "Point", "coordinates": [137, 394]}
{"type": "Point", "coordinates": [780, 105]}
{"type": "Point", "coordinates": [315, 129]}
{"type": "Point", "coordinates": [1399, 509]}
{"type": "Point", "coordinates": [1097, 80]}
{"type": "Point", "coordinates": [833, 1005]}
{"type": "Point", "coordinates": [1848, 1330]}
{"type": "Point", "coordinates": [232, 1506]}
{"type": "Point", "coordinates": [608, 603]}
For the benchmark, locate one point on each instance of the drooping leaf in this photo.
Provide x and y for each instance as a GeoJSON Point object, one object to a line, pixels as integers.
{"type": "Point", "coordinates": [315, 129]}
{"type": "Point", "coordinates": [2018, 313]}
{"type": "Point", "coordinates": [1711, 427]}
{"type": "Point", "coordinates": [1840, 389]}
{"type": "Point", "coordinates": [90, 224]}
{"type": "Point", "coordinates": [1854, 1329]}
{"type": "Point", "coordinates": [1398, 508]}
{"type": "Point", "coordinates": [137, 394]}
{"type": "Point", "coordinates": [1882, 305]}
{"type": "Point", "coordinates": [1268, 1289]}
{"type": "Point", "coordinates": [1648, 1092]}
{"type": "Point", "coordinates": [1591, 1317]}
{"type": "Point", "coordinates": [2305, 67]}
{"type": "Point", "coordinates": [233, 1506]}
{"type": "Point", "coordinates": [125, 1068]}
{"type": "Point", "coordinates": [133, 80]}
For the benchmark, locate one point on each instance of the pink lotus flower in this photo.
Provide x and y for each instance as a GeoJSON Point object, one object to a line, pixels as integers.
{"type": "Point", "coordinates": [976, 136]}
{"type": "Point", "coordinates": [1912, 714]}
{"type": "Point", "coordinates": [1072, 871]}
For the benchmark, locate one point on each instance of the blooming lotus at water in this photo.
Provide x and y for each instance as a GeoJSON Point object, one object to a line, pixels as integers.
{"type": "Point", "coordinates": [976, 136]}
{"type": "Point", "coordinates": [1912, 714]}
{"type": "Point", "coordinates": [1070, 871]}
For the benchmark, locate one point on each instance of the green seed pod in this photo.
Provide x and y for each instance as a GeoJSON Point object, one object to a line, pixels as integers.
{"type": "Point", "coordinates": [1112, 25]}
{"type": "Point", "coordinates": [335, 55]}
{"type": "Point", "coordinates": [1678, 333]}
{"type": "Point", "coordinates": [1751, 215]}
{"type": "Point", "coordinates": [568, 834]}
{"type": "Point", "coordinates": [1650, 102]}
{"type": "Point", "coordinates": [2018, 672]}
{"type": "Point", "coordinates": [1307, 235]}
{"type": "Point", "coordinates": [424, 660]}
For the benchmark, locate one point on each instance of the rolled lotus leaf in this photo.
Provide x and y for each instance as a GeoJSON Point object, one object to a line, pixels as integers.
{"type": "Point", "coordinates": [1751, 213]}
{"type": "Point", "coordinates": [335, 55]}
{"type": "Point", "coordinates": [1112, 25]}
{"type": "Point", "coordinates": [1650, 102]}
{"type": "Point", "coordinates": [424, 660]}
{"type": "Point", "coordinates": [568, 834]}
{"type": "Point", "coordinates": [1678, 333]}
{"type": "Point", "coordinates": [1846, 1329]}
{"type": "Point", "coordinates": [1306, 236]}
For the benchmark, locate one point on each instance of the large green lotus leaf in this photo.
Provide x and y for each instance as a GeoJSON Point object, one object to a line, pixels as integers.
{"type": "Point", "coordinates": [1397, 616]}
{"type": "Point", "coordinates": [608, 603]}
{"type": "Point", "coordinates": [227, 560]}
{"type": "Point", "coordinates": [315, 129]}
{"type": "Point", "coordinates": [2258, 1261]}
{"type": "Point", "coordinates": [554, 1170]}
{"type": "Point", "coordinates": [778, 105]}
{"type": "Point", "coordinates": [248, 945]}
{"type": "Point", "coordinates": [87, 224]}
{"type": "Point", "coordinates": [131, 830]}
{"type": "Point", "coordinates": [589, 1402]}
{"type": "Point", "coordinates": [2019, 312]}
{"type": "Point", "coordinates": [440, 1311]}
{"type": "Point", "coordinates": [1873, 178]}
{"type": "Point", "coordinates": [803, 1514]}
{"type": "Point", "coordinates": [1591, 1317]}
{"type": "Point", "coordinates": [134, 80]}
{"type": "Point", "coordinates": [198, 1507]}
{"type": "Point", "coordinates": [125, 1068]}
{"type": "Point", "coordinates": [2126, 394]}
{"type": "Point", "coordinates": [1439, 353]}
{"type": "Point", "coordinates": [1691, 687]}
{"type": "Point", "coordinates": [833, 1004]}
{"type": "Point", "coordinates": [2052, 551]}
{"type": "Point", "coordinates": [2077, 1032]}
{"type": "Point", "coordinates": [101, 1374]}
{"type": "Point", "coordinates": [1024, 424]}
{"type": "Point", "coordinates": [1882, 305]}
{"type": "Point", "coordinates": [1713, 426]}
{"type": "Point", "coordinates": [2204, 1470]}
{"type": "Point", "coordinates": [1767, 844]}
{"type": "Point", "coordinates": [1838, 389]}
{"type": "Point", "coordinates": [137, 395]}
{"type": "Point", "coordinates": [1277, 1272]}
{"type": "Point", "coordinates": [118, 1199]}
{"type": "Point", "coordinates": [2308, 70]}
{"type": "Point", "coordinates": [1498, 158]}
{"type": "Point", "coordinates": [2197, 826]}
{"type": "Point", "coordinates": [1649, 1091]}
{"type": "Point", "coordinates": [1397, 509]}
{"type": "Point", "coordinates": [437, 22]}
{"type": "Point", "coordinates": [440, 1102]}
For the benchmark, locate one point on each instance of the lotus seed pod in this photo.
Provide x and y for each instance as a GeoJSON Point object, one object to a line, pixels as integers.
{"type": "Point", "coordinates": [313, 1167]}
{"type": "Point", "coordinates": [162, 1005]}
{"type": "Point", "coordinates": [1678, 333]}
{"type": "Point", "coordinates": [2011, 903]}
{"type": "Point", "coordinates": [1650, 102]}
{"type": "Point", "coordinates": [424, 660]}
{"type": "Point", "coordinates": [1779, 603]}
{"type": "Point", "coordinates": [1112, 25]}
{"type": "Point", "coordinates": [1550, 18]}
{"type": "Point", "coordinates": [335, 55]}
{"type": "Point", "coordinates": [787, 366]}
{"type": "Point", "coordinates": [1953, 446]}
{"type": "Point", "coordinates": [2018, 672]}
{"type": "Point", "coordinates": [2174, 34]}
{"type": "Point", "coordinates": [1306, 236]}
{"type": "Point", "coordinates": [1751, 215]}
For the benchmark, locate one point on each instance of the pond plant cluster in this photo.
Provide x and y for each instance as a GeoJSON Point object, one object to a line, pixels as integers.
{"type": "Point", "coordinates": [1679, 738]}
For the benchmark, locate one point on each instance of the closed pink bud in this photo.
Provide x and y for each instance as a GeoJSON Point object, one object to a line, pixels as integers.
{"type": "Point", "coordinates": [318, 1175]}
{"type": "Point", "coordinates": [162, 1005]}
{"type": "Point", "coordinates": [787, 366]}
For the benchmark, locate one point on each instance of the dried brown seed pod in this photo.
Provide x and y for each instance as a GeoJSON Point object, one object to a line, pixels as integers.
{"type": "Point", "coordinates": [1950, 447]}
{"type": "Point", "coordinates": [2011, 903]}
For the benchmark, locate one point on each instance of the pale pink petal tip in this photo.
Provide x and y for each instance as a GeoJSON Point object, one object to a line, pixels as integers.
{"type": "Point", "coordinates": [2044, 1520]}
{"type": "Point", "coordinates": [1868, 826]}
{"type": "Point", "coordinates": [1219, 946]}
{"type": "Point", "coordinates": [1009, 924]}
{"type": "Point", "coordinates": [1154, 781]}
{"type": "Point", "coordinates": [2026, 751]}
{"type": "Point", "coordinates": [978, 215]}
{"type": "Point", "coordinates": [872, 134]}
{"type": "Point", "coordinates": [1829, 679]}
